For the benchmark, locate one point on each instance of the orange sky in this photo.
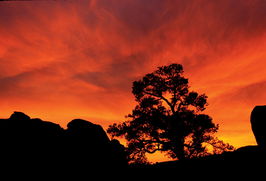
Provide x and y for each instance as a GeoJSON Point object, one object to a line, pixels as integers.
{"type": "Point", "coordinates": [61, 60]}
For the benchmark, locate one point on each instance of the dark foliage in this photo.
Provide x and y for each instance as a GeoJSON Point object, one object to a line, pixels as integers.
{"type": "Point", "coordinates": [167, 118]}
{"type": "Point", "coordinates": [245, 161]}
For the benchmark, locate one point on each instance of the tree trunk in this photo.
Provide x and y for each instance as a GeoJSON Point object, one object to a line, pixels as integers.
{"type": "Point", "coordinates": [179, 149]}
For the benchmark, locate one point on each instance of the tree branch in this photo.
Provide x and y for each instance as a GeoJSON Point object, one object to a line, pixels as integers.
{"type": "Point", "coordinates": [152, 141]}
{"type": "Point", "coordinates": [153, 151]}
{"type": "Point", "coordinates": [179, 106]}
{"type": "Point", "coordinates": [163, 98]}
{"type": "Point", "coordinates": [159, 143]}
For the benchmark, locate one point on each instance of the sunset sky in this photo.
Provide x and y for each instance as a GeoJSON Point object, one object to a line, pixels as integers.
{"type": "Point", "coordinates": [61, 60]}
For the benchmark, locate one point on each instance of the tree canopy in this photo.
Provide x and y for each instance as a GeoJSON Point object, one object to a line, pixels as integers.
{"type": "Point", "coordinates": [168, 118]}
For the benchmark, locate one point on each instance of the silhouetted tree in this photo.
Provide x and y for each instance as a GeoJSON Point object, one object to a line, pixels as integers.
{"type": "Point", "coordinates": [167, 118]}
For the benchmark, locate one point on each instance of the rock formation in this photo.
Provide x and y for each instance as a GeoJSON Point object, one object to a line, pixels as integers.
{"type": "Point", "coordinates": [35, 143]}
{"type": "Point", "coordinates": [258, 124]}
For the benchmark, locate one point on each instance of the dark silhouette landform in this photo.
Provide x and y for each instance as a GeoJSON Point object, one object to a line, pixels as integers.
{"type": "Point", "coordinates": [36, 144]}
{"type": "Point", "coordinates": [258, 123]}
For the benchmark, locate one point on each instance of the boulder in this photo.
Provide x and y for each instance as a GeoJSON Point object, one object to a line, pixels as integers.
{"type": "Point", "coordinates": [87, 144]}
{"type": "Point", "coordinates": [19, 116]}
{"type": "Point", "coordinates": [43, 144]}
{"type": "Point", "coordinates": [258, 125]}
{"type": "Point", "coordinates": [83, 129]}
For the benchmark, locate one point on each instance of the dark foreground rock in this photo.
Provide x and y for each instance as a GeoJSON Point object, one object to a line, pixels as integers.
{"type": "Point", "coordinates": [258, 124]}
{"type": "Point", "coordinates": [34, 144]}
{"type": "Point", "coordinates": [248, 160]}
